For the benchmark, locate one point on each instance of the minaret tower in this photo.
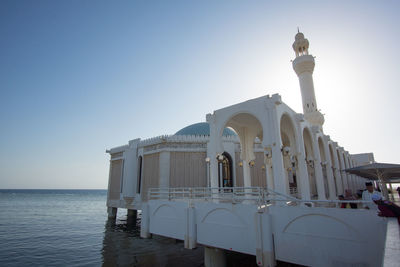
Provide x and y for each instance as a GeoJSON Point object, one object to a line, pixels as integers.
{"type": "Point", "coordinates": [303, 65]}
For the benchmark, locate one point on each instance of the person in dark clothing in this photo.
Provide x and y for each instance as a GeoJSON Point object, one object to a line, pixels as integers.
{"type": "Point", "coordinates": [386, 208]}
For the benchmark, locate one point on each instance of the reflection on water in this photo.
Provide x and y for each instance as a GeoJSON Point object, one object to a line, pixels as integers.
{"type": "Point", "coordinates": [122, 246]}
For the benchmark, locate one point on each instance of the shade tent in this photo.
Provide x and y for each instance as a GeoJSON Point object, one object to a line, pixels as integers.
{"type": "Point", "coordinates": [382, 172]}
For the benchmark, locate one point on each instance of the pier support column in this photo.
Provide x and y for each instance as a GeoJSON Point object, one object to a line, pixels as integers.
{"type": "Point", "coordinates": [264, 247]}
{"type": "Point", "coordinates": [131, 216]}
{"type": "Point", "coordinates": [112, 212]}
{"type": "Point", "coordinates": [214, 257]}
{"type": "Point", "coordinates": [191, 234]}
{"type": "Point", "coordinates": [145, 223]}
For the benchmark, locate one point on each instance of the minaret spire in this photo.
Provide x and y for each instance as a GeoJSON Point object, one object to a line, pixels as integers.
{"type": "Point", "coordinates": [303, 65]}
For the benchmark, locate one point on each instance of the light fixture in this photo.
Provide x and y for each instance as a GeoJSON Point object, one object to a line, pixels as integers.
{"type": "Point", "coordinates": [268, 152]}
{"type": "Point", "coordinates": [286, 150]}
{"type": "Point", "coordinates": [208, 160]}
{"type": "Point", "coordinates": [240, 164]}
{"type": "Point", "coordinates": [251, 163]}
{"type": "Point", "coordinates": [311, 163]}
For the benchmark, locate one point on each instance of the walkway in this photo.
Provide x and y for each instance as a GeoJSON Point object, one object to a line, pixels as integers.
{"type": "Point", "coordinates": [392, 250]}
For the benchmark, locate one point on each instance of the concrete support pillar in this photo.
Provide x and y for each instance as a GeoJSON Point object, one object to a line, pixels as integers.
{"type": "Point", "coordinates": [191, 229]}
{"type": "Point", "coordinates": [264, 247]}
{"type": "Point", "coordinates": [164, 165]}
{"type": "Point", "coordinates": [214, 257]}
{"type": "Point", "coordinates": [145, 222]}
{"type": "Point", "coordinates": [132, 214]}
{"type": "Point", "coordinates": [131, 217]}
{"type": "Point", "coordinates": [112, 212]}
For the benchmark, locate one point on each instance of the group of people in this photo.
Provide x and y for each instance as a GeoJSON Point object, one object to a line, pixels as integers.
{"type": "Point", "coordinates": [374, 200]}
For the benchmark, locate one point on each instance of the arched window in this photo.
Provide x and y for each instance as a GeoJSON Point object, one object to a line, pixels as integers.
{"type": "Point", "coordinates": [225, 178]}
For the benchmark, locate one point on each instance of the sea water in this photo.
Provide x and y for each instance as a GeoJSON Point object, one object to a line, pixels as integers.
{"type": "Point", "coordinates": [70, 228]}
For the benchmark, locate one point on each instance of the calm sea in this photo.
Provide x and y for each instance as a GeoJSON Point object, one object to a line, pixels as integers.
{"type": "Point", "coordinates": [70, 228]}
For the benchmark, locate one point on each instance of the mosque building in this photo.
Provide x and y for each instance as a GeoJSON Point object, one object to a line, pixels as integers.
{"type": "Point", "coordinates": [261, 142]}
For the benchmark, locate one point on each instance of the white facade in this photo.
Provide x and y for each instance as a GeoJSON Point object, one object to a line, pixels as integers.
{"type": "Point", "coordinates": [259, 143]}
{"type": "Point", "coordinates": [275, 147]}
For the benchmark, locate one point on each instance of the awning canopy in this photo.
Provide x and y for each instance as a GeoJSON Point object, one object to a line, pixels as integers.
{"type": "Point", "coordinates": [383, 172]}
{"type": "Point", "coordinates": [376, 171]}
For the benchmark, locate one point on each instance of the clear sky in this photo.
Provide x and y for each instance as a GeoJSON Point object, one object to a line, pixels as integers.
{"type": "Point", "coordinates": [80, 77]}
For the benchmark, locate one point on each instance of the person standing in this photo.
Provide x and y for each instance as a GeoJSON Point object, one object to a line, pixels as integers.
{"type": "Point", "coordinates": [398, 190]}
{"type": "Point", "coordinates": [367, 196]}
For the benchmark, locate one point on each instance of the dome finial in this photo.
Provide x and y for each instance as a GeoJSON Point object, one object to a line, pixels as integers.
{"type": "Point", "coordinates": [298, 29]}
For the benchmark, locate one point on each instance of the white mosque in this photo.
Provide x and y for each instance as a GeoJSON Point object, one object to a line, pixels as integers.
{"type": "Point", "coordinates": [260, 143]}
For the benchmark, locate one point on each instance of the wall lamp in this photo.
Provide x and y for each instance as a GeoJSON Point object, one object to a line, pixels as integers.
{"type": "Point", "coordinates": [268, 152]}
{"type": "Point", "coordinates": [285, 150]}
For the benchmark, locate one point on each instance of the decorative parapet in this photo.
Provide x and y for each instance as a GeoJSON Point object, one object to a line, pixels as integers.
{"type": "Point", "coordinates": [183, 139]}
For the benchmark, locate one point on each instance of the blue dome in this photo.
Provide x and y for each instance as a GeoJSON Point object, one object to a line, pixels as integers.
{"type": "Point", "coordinates": [202, 128]}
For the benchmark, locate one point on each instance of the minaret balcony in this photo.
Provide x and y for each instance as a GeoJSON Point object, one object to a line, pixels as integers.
{"type": "Point", "coordinates": [303, 64]}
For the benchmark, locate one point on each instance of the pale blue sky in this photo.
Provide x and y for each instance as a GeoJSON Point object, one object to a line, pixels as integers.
{"type": "Point", "coordinates": [79, 77]}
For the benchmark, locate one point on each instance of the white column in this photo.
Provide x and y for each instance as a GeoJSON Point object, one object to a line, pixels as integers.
{"type": "Point", "coordinates": [145, 222]}
{"type": "Point", "coordinates": [280, 182]}
{"type": "Point", "coordinates": [303, 177]}
{"type": "Point", "coordinates": [246, 136]}
{"type": "Point", "coordinates": [342, 167]}
{"type": "Point", "coordinates": [268, 169]}
{"type": "Point", "coordinates": [349, 176]}
{"type": "Point", "coordinates": [329, 172]}
{"type": "Point", "coordinates": [264, 245]}
{"type": "Point", "coordinates": [213, 147]}
{"type": "Point", "coordinates": [336, 167]}
{"type": "Point", "coordinates": [190, 241]}
{"type": "Point", "coordinates": [319, 176]}
{"type": "Point", "coordinates": [130, 169]}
